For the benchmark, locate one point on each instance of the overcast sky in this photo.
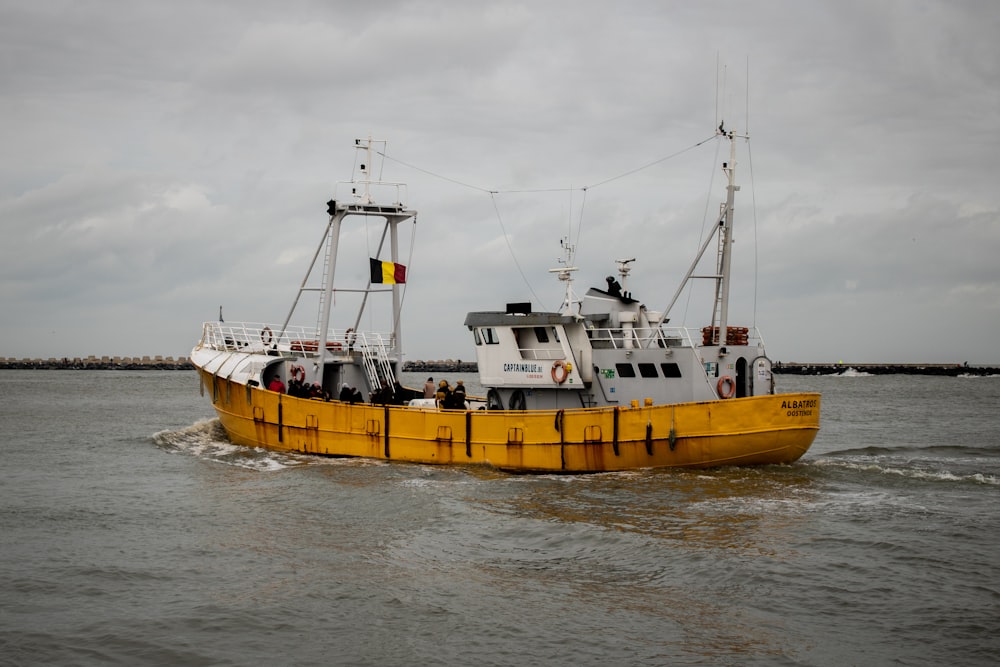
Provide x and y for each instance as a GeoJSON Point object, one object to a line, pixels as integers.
{"type": "Point", "coordinates": [161, 159]}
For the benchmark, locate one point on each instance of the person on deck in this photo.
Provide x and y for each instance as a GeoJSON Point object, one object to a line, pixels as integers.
{"type": "Point", "coordinates": [614, 287]}
{"type": "Point", "coordinates": [276, 385]}
{"type": "Point", "coordinates": [443, 394]}
{"type": "Point", "coordinates": [458, 396]}
{"type": "Point", "coordinates": [429, 388]}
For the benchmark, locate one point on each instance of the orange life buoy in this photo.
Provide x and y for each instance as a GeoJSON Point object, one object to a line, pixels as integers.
{"type": "Point", "coordinates": [730, 387]}
{"type": "Point", "coordinates": [298, 373]}
{"type": "Point", "coordinates": [559, 372]}
{"type": "Point", "coordinates": [266, 336]}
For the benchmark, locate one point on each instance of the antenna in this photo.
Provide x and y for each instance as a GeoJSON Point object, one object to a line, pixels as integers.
{"type": "Point", "coordinates": [747, 128]}
{"type": "Point", "coordinates": [570, 301]}
{"type": "Point", "coordinates": [623, 270]}
{"type": "Point", "coordinates": [716, 86]}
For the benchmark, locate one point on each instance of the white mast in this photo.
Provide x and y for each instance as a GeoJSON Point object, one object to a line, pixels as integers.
{"type": "Point", "coordinates": [726, 239]}
{"type": "Point", "coordinates": [724, 229]}
{"type": "Point", "coordinates": [623, 271]}
{"type": "Point", "coordinates": [570, 302]}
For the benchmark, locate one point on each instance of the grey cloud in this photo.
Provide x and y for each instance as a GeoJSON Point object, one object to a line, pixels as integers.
{"type": "Point", "coordinates": [162, 159]}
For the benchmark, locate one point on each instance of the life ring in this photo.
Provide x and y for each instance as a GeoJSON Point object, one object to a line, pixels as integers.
{"type": "Point", "coordinates": [730, 391]}
{"type": "Point", "coordinates": [266, 336]}
{"type": "Point", "coordinates": [560, 371]}
{"type": "Point", "coordinates": [298, 373]}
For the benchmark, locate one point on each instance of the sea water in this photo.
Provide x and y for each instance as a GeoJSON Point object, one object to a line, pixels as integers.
{"type": "Point", "coordinates": [132, 532]}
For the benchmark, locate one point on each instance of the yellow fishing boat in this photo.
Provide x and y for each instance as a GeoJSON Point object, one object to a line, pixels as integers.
{"type": "Point", "coordinates": [604, 384]}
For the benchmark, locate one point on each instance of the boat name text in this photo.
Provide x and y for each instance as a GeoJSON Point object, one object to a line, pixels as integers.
{"type": "Point", "coordinates": [522, 368]}
{"type": "Point", "coordinates": [799, 408]}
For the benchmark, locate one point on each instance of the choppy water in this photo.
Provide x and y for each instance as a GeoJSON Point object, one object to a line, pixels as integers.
{"type": "Point", "coordinates": [133, 533]}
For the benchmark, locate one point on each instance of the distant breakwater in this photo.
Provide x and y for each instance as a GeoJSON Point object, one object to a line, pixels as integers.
{"type": "Point", "coordinates": [157, 363]}
{"type": "Point", "coordinates": [839, 368]}
{"type": "Point", "coordinates": [778, 367]}
{"type": "Point", "coordinates": [183, 363]}
{"type": "Point", "coordinates": [459, 366]}
{"type": "Point", "coordinates": [446, 366]}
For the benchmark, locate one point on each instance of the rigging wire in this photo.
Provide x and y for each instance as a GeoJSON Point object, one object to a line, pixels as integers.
{"type": "Point", "coordinates": [709, 198]}
{"type": "Point", "coordinates": [409, 266]}
{"type": "Point", "coordinates": [579, 226]}
{"type": "Point", "coordinates": [493, 192]}
{"type": "Point", "coordinates": [651, 164]}
{"type": "Point", "coordinates": [569, 217]}
{"type": "Point", "coordinates": [513, 256]}
{"type": "Point", "coordinates": [436, 175]}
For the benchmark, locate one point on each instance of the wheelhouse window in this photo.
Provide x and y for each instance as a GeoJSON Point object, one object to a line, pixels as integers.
{"type": "Point", "coordinates": [541, 335]}
{"type": "Point", "coordinates": [625, 370]}
{"type": "Point", "coordinates": [489, 335]}
{"type": "Point", "coordinates": [648, 370]}
{"type": "Point", "coordinates": [670, 370]}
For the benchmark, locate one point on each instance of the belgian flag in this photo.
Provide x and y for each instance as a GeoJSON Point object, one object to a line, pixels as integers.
{"type": "Point", "coordinates": [387, 273]}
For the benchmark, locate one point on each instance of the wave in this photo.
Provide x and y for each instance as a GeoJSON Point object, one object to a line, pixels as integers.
{"type": "Point", "coordinates": [936, 451]}
{"type": "Point", "coordinates": [902, 469]}
{"type": "Point", "coordinates": [206, 439]}
{"type": "Point", "coordinates": [854, 373]}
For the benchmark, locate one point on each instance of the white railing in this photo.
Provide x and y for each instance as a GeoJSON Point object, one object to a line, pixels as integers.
{"type": "Point", "coordinates": [639, 338]}
{"type": "Point", "coordinates": [370, 193]}
{"type": "Point", "coordinates": [375, 356]}
{"type": "Point", "coordinates": [262, 337]}
{"type": "Point", "coordinates": [541, 353]}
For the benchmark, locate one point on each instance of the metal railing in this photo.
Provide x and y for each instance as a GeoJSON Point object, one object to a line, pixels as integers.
{"type": "Point", "coordinates": [262, 338]}
{"type": "Point", "coordinates": [375, 356]}
{"type": "Point", "coordinates": [618, 338]}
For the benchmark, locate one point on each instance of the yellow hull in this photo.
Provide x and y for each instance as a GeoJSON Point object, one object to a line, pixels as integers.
{"type": "Point", "coordinates": [741, 431]}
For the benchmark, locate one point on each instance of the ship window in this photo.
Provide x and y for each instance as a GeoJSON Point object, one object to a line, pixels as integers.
{"type": "Point", "coordinates": [541, 335]}
{"type": "Point", "coordinates": [555, 334]}
{"type": "Point", "coordinates": [671, 370]}
{"type": "Point", "coordinates": [625, 370]}
{"type": "Point", "coordinates": [647, 370]}
{"type": "Point", "coordinates": [490, 336]}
